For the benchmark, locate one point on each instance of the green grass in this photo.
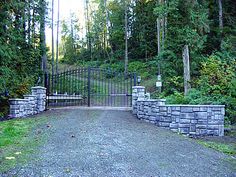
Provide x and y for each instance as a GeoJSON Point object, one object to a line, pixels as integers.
{"type": "Point", "coordinates": [17, 142]}
{"type": "Point", "coordinates": [226, 144]}
{"type": "Point", "coordinates": [229, 148]}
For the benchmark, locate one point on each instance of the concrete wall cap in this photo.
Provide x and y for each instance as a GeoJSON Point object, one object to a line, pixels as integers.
{"type": "Point", "coordinates": [152, 100]}
{"type": "Point", "coordinates": [39, 87]}
{"type": "Point", "coordinates": [138, 87]}
{"type": "Point", "coordinates": [17, 99]}
{"type": "Point", "coordinates": [186, 105]}
{"type": "Point", "coordinates": [30, 95]}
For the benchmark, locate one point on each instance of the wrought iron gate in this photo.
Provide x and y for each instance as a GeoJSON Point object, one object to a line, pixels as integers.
{"type": "Point", "coordinates": [90, 87]}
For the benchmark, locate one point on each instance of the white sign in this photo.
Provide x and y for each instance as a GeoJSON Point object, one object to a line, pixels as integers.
{"type": "Point", "coordinates": [158, 84]}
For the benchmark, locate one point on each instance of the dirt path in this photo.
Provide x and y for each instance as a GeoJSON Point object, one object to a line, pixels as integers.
{"type": "Point", "coordinates": [115, 143]}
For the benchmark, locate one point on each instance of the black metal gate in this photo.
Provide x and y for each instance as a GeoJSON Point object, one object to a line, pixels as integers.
{"type": "Point", "coordinates": [90, 87]}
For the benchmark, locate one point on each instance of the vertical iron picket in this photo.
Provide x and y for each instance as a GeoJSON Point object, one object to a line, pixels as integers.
{"type": "Point", "coordinates": [131, 87]}
{"type": "Point", "coordinates": [91, 87]}
{"type": "Point", "coordinates": [89, 91]}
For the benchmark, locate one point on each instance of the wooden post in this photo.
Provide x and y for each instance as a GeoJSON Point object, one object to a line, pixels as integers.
{"type": "Point", "coordinates": [187, 85]}
{"type": "Point", "coordinates": [158, 37]}
{"type": "Point", "coordinates": [220, 15]}
{"type": "Point", "coordinates": [220, 19]}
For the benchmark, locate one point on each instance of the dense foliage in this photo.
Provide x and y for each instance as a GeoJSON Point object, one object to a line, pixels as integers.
{"type": "Point", "coordinates": [20, 46]}
{"type": "Point", "coordinates": [156, 32]}
{"type": "Point", "coordinates": [198, 24]}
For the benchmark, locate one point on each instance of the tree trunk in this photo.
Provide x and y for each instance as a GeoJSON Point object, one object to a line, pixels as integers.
{"type": "Point", "coordinates": [163, 33]}
{"type": "Point", "coordinates": [52, 38]}
{"type": "Point", "coordinates": [107, 30]}
{"type": "Point", "coordinates": [158, 37]}
{"type": "Point", "coordinates": [72, 36]}
{"type": "Point", "coordinates": [33, 25]}
{"type": "Point", "coordinates": [29, 22]}
{"type": "Point", "coordinates": [58, 23]}
{"type": "Point", "coordinates": [42, 36]}
{"type": "Point", "coordinates": [220, 20]}
{"type": "Point", "coordinates": [107, 21]}
{"type": "Point", "coordinates": [89, 45]}
{"type": "Point", "coordinates": [126, 38]}
{"type": "Point", "coordinates": [186, 70]}
{"type": "Point", "coordinates": [24, 21]}
{"type": "Point", "coordinates": [165, 19]}
{"type": "Point", "coordinates": [220, 15]}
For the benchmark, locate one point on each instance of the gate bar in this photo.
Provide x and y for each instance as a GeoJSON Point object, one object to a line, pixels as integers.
{"type": "Point", "coordinates": [89, 72]}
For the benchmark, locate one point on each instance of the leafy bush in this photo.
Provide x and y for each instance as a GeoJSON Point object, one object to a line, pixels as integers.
{"type": "Point", "coordinates": [16, 84]}
{"type": "Point", "coordinates": [216, 85]}
{"type": "Point", "coordinates": [176, 98]}
{"type": "Point", "coordinates": [115, 66]}
{"type": "Point", "coordinates": [144, 69]}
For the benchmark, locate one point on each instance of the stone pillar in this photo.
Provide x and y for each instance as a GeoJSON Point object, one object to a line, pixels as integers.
{"type": "Point", "coordinates": [40, 93]}
{"type": "Point", "coordinates": [31, 104]}
{"type": "Point", "coordinates": [138, 92]}
{"type": "Point", "coordinates": [18, 107]}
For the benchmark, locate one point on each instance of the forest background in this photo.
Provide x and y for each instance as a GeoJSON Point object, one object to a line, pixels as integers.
{"type": "Point", "coordinates": [143, 36]}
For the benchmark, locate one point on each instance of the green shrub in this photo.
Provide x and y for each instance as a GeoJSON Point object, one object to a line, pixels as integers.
{"type": "Point", "coordinates": [217, 83]}
{"type": "Point", "coordinates": [176, 98]}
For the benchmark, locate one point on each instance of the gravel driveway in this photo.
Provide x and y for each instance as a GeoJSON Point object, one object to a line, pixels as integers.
{"type": "Point", "coordinates": [115, 143]}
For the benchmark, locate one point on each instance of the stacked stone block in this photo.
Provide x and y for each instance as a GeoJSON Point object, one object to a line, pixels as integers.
{"type": "Point", "coordinates": [149, 110]}
{"type": "Point", "coordinates": [40, 93]}
{"type": "Point", "coordinates": [138, 92]}
{"type": "Point", "coordinates": [30, 105]}
{"type": "Point", "coordinates": [192, 120]}
{"type": "Point", "coordinates": [18, 107]}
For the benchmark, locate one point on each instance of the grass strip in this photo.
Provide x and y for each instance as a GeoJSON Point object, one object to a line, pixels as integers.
{"type": "Point", "coordinates": [18, 142]}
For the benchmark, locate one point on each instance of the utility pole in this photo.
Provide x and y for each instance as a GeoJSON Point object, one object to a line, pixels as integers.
{"type": "Point", "coordinates": [158, 46]}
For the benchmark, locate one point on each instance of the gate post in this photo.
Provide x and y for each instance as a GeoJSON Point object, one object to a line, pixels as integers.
{"type": "Point", "coordinates": [89, 73]}
{"type": "Point", "coordinates": [135, 79]}
{"type": "Point", "coordinates": [138, 92]}
{"type": "Point", "coordinates": [46, 85]}
{"type": "Point", "coordinates": [41, 97]}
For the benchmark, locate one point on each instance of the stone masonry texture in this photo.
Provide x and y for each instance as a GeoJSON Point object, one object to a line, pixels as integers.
{"type": "Point", "coordinates": [192, 120]}
{"type": "Point", "coordinates": [30, 105]}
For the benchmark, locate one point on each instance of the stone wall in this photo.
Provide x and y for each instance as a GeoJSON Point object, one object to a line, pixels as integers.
{"type": "Point", "coordinates": [40, 93]}
{"type": "Point", "coordinates": [30, 105]}
{"type": "Point", "coordinates": [138, 92]}
{"type": "Point", "coordinates": [192, 120]}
